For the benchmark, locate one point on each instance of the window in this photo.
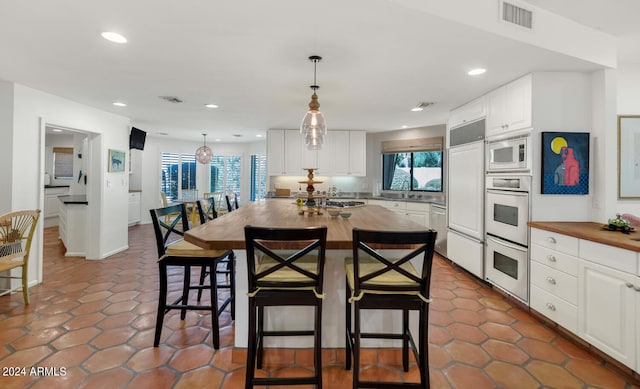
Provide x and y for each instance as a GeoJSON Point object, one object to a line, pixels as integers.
{"type": "Point", "coordinates": [414, 165]}
{"type": "Point", "coordinates": [178, 171]}
{"type": "Point", "coordinates": [258, 177]}
{"type": "Point", "coordinates": [225, 174]}
{"type": "Point", "coordinates": [63, 163]}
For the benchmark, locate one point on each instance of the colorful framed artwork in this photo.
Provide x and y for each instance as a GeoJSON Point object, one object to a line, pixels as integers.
{"type": "Point", "coordinates": [565, 163]}
{"type": "Point", "coordinates": [628, 157]}
{"type": "Point", "coordinates": [116, 161]}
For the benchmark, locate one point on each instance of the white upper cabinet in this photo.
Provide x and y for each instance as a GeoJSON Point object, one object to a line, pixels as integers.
{"type": "Point", "coordinates": [343, 154]}
{"type": "Point", "coordinates": [287, 155]}
{"type": "Point", "coordinates": [469, 112]}
{"type": "Point", "coordinates": [509, 108]}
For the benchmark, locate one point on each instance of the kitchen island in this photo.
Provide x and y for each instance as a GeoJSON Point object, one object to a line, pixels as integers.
{"type": "Point", "coordinates": [227, 232]}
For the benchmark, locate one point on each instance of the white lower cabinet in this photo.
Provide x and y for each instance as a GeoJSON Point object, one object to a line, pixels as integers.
{"type": "Point", "coordinates": [134, 208]}
{"type": "Point", "coordinates": [591, 289]}
{"type": "Point", "coordinates": [416, 211]}
{"type": "Point", "coordinates": [606, 309]}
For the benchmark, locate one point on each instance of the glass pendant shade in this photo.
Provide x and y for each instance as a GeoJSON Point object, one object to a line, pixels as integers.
{"type": "Point", "coordinates": [313, 126]}
{"type": "Point", "coordinates": [204, 153]}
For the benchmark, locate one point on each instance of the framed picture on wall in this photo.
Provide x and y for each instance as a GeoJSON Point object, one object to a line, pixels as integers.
{"type": "Point", "coordinates": [565, 163]}
{"type": "Point", "coordinates": [628, 157]}
{"type": "Point", "coordinates": [116, 161]}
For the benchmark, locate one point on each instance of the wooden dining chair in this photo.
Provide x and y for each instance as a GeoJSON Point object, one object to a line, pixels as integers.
{"type": "Point", "coordinates": [285, 267]}
{"type": "Point", "coordinates": [174, 251]}
{"type": "Point", "coordinates": [232, 201]}
{"type": "Point", "coordinates": [16, 234]}
{"type": "Point", "coordinates": [381, 276]}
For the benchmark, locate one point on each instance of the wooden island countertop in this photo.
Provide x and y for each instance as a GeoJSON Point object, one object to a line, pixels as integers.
{"type": "Point", "coordinates": [593, 232]}
{"type": "Point", "coordinates": [227, 232]}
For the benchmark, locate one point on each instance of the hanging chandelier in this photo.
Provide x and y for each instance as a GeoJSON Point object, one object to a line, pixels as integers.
{"type": "Point", "coordinates": [313, 126]}
{"type": "Point", "coordinates": [204, 153]}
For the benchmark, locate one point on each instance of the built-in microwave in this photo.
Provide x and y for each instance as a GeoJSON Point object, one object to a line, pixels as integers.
{"type": "Point", "coordinates": [509, 155]}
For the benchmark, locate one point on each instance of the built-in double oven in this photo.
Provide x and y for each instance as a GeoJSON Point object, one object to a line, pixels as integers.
{"type": "Point", "coordinates": [507, 240]}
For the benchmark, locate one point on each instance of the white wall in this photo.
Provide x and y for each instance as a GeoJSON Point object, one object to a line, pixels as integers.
{"type": "Point", "coordinates": [628, 94]}
{"type": "Point", "coordinates": [151, 161]}
{"type": "Point", "coordinates": [107, 208]}
{"type": "Point", "coordinates": [6, 146]}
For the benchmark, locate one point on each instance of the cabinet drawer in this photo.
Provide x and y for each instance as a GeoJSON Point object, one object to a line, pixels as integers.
{"type": "Point", "coordinates": [609, 256]}
{"type": "Point", "coordinates": [555, 282]}
{"type": "Point", "coordinates": [553, 240]}
{"type": "Point", "coordinates": [555, 308]}
{"type": "Point", "coordinates": [396, 205]}
{"type": "Point", "coordinates": [555, 259]}
{"type": "Point", "coordinates": [420, 207]}
{"type": "Point", "coordinates": [134, 196]}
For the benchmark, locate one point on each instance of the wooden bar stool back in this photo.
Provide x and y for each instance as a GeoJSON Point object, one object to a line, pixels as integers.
{"type": "Point", "coordinates": [381, 276]}
{"type": "Point", "coordinates": [174, 251]}
{"type": "Point", "coordinates": [285, 267]}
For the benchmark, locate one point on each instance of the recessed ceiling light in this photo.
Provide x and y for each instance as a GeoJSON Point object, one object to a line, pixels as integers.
{"type": "Point", "coordinates": [211, 106]}
{"type": "Point", "coordinates": [57, 130]}
{"type": "Point", "coordinates": [119, 104]}
{"type": "Point", "coordinates": [218, 139]}
{"type": "Point", "coordinates": [259, 136]}
{"type": "Point", "coordinates": [476, 72]}
{"type": "Point", "coordinates": [405, 126]}
{"type": "Point", "coordinates": [114, 37]}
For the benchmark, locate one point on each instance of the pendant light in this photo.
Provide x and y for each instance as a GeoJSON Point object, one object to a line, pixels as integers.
{"type": "Point", "coordinates": [313, 126]}
{"type": "Point", "coordinates": [204, 153]}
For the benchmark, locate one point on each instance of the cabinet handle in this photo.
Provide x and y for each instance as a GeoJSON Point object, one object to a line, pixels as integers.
{"type": "Point", "coordinates": [551, 258]}
{"type": "Point", "coordinates": [551, 280]}
{"type": "Point", "coordinates": [629, 285]}
{"type": "Point", "coordinates": [551, 239]}
{"type": "Point", "coordinates": [551, 307]}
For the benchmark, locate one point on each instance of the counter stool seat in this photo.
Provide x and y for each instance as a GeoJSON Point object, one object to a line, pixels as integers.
{"type": "Point", "coordinates": [285, 267]}
{"type": "Point", "coordinates": [174, 251]}
{"type": "Point", "coordinates": [381, 276]}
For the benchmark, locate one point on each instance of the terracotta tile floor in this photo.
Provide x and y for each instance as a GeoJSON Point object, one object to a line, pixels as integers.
{"type": "Point", "coordinates": [95, 320]}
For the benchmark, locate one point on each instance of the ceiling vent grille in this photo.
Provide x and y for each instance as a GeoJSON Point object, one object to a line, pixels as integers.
{"type": "Point", "coordinates": [171, 99]}
{"type": "Point", "coordinates": [517, 15]}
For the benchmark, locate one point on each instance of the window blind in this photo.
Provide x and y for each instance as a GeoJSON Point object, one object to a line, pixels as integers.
{"type": "Point", "coordinates": [412, 145]}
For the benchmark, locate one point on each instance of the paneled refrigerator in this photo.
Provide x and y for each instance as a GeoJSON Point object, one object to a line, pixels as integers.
{"type": "Point", "coordinates": [465, 197]}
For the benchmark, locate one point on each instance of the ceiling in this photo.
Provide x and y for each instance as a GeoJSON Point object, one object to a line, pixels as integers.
{"type": "Point", "coordinates": [250, 58]}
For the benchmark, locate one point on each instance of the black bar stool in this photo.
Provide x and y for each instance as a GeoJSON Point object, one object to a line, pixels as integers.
{"type": "Point", "coordinates": [173, 250]}
{"type": "Point", "coordinates": [375, 281]}
{"type": "Point", "coordinates": [285, 268]}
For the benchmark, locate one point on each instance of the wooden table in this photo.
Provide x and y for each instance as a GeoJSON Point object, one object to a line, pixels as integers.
{"type": "Point", "coordinates": [227, 232]}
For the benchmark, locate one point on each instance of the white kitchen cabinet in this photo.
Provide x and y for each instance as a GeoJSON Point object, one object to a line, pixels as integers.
{"type": "Point", "coordinates": [607, 310]}
{"type": "Point", "coordinates": [52, 204]}
{"type": "Point", "coordinates": [343, 154]}
{"type": "Point", "coordinates": [419, 213]}
{"type": "Point", "coordinates": [509, 108]}
{"type": "Point", "coordinates": [72, 228]}
{"type": "Point", "coordinates": [134, 208]}
{"type": "Point", "coordinates": [287, 154]}
{"type": "Point", "coordinates": [589, 288]}
{"type": "Point", "coordinates": [469, 112]}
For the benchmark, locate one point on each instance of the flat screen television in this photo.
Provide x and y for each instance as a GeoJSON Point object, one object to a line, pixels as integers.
{"type": "Point", "coordinates": [137, 138]}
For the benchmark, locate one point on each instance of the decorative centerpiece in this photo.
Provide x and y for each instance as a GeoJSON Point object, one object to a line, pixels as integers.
{"type": "Point", "coordinates": [311, 205]}
{"type": "Point", "coordinates": [619, 224]}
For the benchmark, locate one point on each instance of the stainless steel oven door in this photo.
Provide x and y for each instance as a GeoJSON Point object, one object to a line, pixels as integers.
{"type": "Point", "coordinates": [506, 266]}
{"type": "Point", "coordinates": [507, 215]}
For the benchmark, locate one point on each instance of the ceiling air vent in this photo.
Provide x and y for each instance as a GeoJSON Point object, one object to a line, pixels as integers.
{"type": "Point", "coordinates": [171, 99]}
{"type": "Point", "coordinates": [513, 14]}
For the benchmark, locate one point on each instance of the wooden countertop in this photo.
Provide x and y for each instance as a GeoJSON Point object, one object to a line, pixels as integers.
{"type": "Point", "coordinates": [593, 232]}
{"type": "Point", "coordinates": [227, 231]}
